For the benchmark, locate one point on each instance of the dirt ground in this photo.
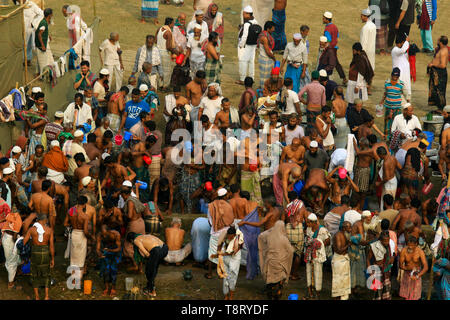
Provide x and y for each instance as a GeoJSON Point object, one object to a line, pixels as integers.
{"type": "Point", "coordinates": [122, 16]}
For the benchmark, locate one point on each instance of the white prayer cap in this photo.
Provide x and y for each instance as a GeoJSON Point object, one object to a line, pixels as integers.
{"type": "Point", "coordinates": [59, 114]}
{"type": "Point", "coordinates": [366, 213]}
{"type": "Point", "coordinates": [16, 149]}
{"type": "Point", "coordinates": [447, 108]}
{"type": "Point", "coordinates": [406, 105]}
{"type": "Point", "coordinates": [197, 26]}
{"type": "Point", "coordinates": [312, 217]}
{"type": "Point", "coordinates": [366, 12]}
{"type": "Point", "coordinates": [297, 36]}
{"type": "Point", "coordinates": [314, 144]}
{"type": "Point", "coordinates": [8, 170]}
{"type": "Point", "coordinates": [143, 87]}
{"type": "Point", "coordinates": [54, 143]}
{"type": "Point", "coordinates": [69, 9]}
{"type": "Point", "coordinates": [248, 9]}
{"type": "Point", "coordinates": [104, 155]}
{"type": "Point", "coordinates": [36, 89]}
{"type": "Point", "coordinates": [199, 12]}
{"type": "Point", "coordinates": [78, 133]}
{"type": "Point", "coordinates": [328, 15]}
{"type": "Point", "coordinates": [323, 39]}
{"type": "Point", "coordinates": [323, 73]}
{"type": "Point", "coordinates": [85, 181]}
{"type": "Point", "coordinates": [221, 192]}
{"type": "Point", "coordinates": [104, 71]}
{"type": "Point", "coordinates": [127, 183]}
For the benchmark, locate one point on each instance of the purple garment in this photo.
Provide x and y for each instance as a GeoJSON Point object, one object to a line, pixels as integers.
{"type": "Point", "coordinates": [251, 242]}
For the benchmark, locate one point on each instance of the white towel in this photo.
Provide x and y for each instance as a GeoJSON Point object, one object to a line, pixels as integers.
{"type": "Point", "coordinates": [40, 231]}
{"type": "Point", "coordinates": [62, 62]}
{"type": "Point", "coordinates": [15, 246]}
{"type": "Point", "coordinates": [350, 160]}
{"type": "Point", "coordinates": [69, 244]}
{"type": "Point", "coordinates": [57, 71]}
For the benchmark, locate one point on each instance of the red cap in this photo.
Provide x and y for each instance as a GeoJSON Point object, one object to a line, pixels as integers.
{"type": "Point", "coordinates": [276, 71]}
{"type": "Point", "coordinates": [208, 186]}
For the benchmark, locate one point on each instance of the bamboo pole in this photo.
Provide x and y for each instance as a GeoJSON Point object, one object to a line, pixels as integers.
{"type": "Point", "coordinates": [12, 12]}
{"type": "Point", "coordinates": [24, 45]}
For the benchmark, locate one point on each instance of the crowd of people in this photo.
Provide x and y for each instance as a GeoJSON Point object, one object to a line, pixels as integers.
{"type": "Point", "coordinates": [300, 157]}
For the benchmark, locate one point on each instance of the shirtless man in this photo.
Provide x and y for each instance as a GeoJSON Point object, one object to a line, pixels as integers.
{"type": "Point", "coordinates": [405, 215]}
{"type": "Point", "coordinates": [362, 169]}
{"type": "Point", "coordinates": [42, 203]}
{"type": "Point", "coordinates": [445, 138]}
{"type": "Point", "coordinates": [411, 230]}
{"type": "Point", "coordinates": [313, 136]}
{"type": "Point", "coordinates": [43, 247]}
{"type": "Point", "coordinates": [294, 153]}
{"type": "Point", "coordinates": [36, 160]}
{"type": "Point", "coordinates": [367, 128]}
{"type": "Point", "coordinates": [238, 203]}
{"type": "Point", "coordinates": [109, 246]}
{"type": "Point", "coordinates": [222, 120]}
{"type": "Point", "coordinates": [429, 210]}
{"type": "Point", "coordinates": [414, 263]}
{"type": "Point", "coordinates": [117, 172]}
{"type": "Point", "coordinates": [153, 250]}
{"type": "Point", "coordinates": [374, 144]}
{"type": "Point", "coordinates": [248, 119]}
{"type": "Point", "coordinates": [340, 186]}
{"type": "Point", "coordinates": [387, 173]}
{"type": "Point", "coordinates": [141, 149]}
{"type": "Point", "coordinates": [99, 132]}
{"type": "Point", "coordinates": [116, 105]}
{"type": "Point", "coordinates": [175, 238]}
{"type": "Point", "coordinates": [339, 105]}
{"type": "Point", "coordinates": [196, 88]}
{"type": "Point", "coordinates": [179, 101]}
{"type": "Point", "coordinates": [438, 68]}
{"type": "Point", "coordinates": [55, 190]}
{"type": "Point", "coordinates": [444, 162]}
{"type": "Point", "coordinates": [315, 192]}
{"type": "Point", "coordinates": [403, 203]}
{"type": "Point", "coordinates": [92, 151]}
{"type": "Point", "coordinates": [110, 216]}
{"type": "Point", "coordinates": [287, 175]}
{"type": "Point", "coordinates": [78, 219]}
{"type": "Point", "coordinates": [82, 170]}
{"type": "Point", "coordinates": [270, 215]}
{"type": "Point", "coordinates": [340, 244]}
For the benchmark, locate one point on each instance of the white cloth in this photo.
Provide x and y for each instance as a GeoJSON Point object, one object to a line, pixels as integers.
{"type": "Point", "coordinates": [171, 103]}
{"type": "Point", "coordinates": [401, 61]}
{"type": "Point", "coordinates": [244, 28]}
{"type": "Point", "coordinates": [404, 127]}
{"type": "Point", "coordinates": [190, 29]}
{"type": "Point", "coordinates": [291, 99]}
{"type": "Point", "coordinates": [74, 149]}
{"type": "Point", "coordinates": [211, 107]}
{"type": "Point", "coordinates": [11, 255]}
{"type": "Point", "coordinates": [109, 50]}
{"type": "Point", "coordinates": [40, 230]}
{"type": "Point", "coordinates": [293, 53]}
{"type": "Point", "coordinates": [84, 114]}
{"type": "Point", "coordinates": [44, 58]}
{"type": "Point", "coordinates": [329, 139]}
{"type": "Point", "coordinates": [351, 154]}
{"type": "Point", "coordinates": [156, 58]}
{"type": "Point", "coordinates": [57, 177]}
{"type": "Point", "coordinates": [74, 22]}
{"type": "Point", "coordinates": [32, 16]}
{"type": "Point", "coordinates": [116, 73]}
{"type": "Point", "coordinates": [298, 132]}
{"type": "Point", "coordinates": [352, 216]}
{"type": "Point", "coordinates": [246, 58]}
{"type": "Point", "coordinates": [361, 84]}
{"type": "Point", "coordinates": [367, 38]}
{"type": "Point", "coordinates": [337, 158]}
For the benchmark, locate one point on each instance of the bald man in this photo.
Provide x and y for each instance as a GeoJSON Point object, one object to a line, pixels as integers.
{"type": "Point", "coordinates": [284, 179]}
{"type": "Point", "coordinates": [294, 153]}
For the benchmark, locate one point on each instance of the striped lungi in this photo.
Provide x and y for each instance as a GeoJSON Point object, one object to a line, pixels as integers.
{"type": "Point", "coordinates": [362, 178]}
{"type": "Point", "coordinates": [40, 266]}
{"type": "Point", "coordinates": [265, 68]}
{"type": "Point", "coordinates": [155, 168]}
{"type": "Point", "coordinates": [149, 8]}
{"type": "Point", "coordinates": [381, 40]}
{"type": "Point", "coordinates": [152, 225]}
{"type": "Point", "coordinates": [213, 68]}
{"type": "Point", "coordinates": [167, 66]}
{"type": "Point", "coordinates": [114, 121]}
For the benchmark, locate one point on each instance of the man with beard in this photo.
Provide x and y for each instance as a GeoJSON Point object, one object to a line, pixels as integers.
{"type": "Point", "coordinates": [340, 264]}
{"type": "Point", "coordinates": [327, 58]}
{"type": "Point", "coordinates": [342, 186]}
{"type": "Point", "coordinates": [247, 46]}
{"type": "Point", "coordinates": [323, 126]}
{"type": "Point", "coordinates": [331, 32]}
{"type": "Point", "coordinates": [315, 158]}
{"type": "Point", "coordinates": [360, 75]}
{"type": "Point", "coordinates": [316, 99]}
{"type": "Point", "coordinates": [414, 264]}
{"type": "Point", "coordinates": [210, 104]}
{"type": "Point", "coordinates": [274, 84]}
{"type": "Point", "coordinates": [292, 130]}
{"type": "Point", "coordinates": [406, 122]}
{"type": "Point", "coordinates": [381, 252]}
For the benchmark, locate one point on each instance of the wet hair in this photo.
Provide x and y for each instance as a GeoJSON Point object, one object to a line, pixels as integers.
{"type": "Point", "coordinates": [136, 92]}
{"type": "Point", "coordinates": [42, 171]}
{"type": "Point", "coordinates": [85, 63]}
{"type": "Point", "coordinates": [150, 139]}
{"type": "Point", "coordinates": [372, 138]}
{"type": "Point", "coordinates": [354, 202]}
{"type": "Point", "coordinates": [271, 200]}
{"type": "Point", "coordinates": [163, 181]}
{"type": "Point", "coordinates": [79, 157]}
{"type": "Point", "coordinates": [384, 235]}
{"type": "Point", "coordinates": [151, 125]}
{"type": "Point", "coordinates": [269, 24]}
{"type": "Point", "coordinates": [131, 236]}
{"type": "Point", "coordinates": [213, 35]}
{"type": "Point", "coordinates": [231, 230]}
{"type": "Point", "coordinates": [248, 82]}
{"type": "Point", "coordinates": [108, 134]}
{"type": "Point", "coordinates": [224, 100]}
{"type": "Point", "coordinates": [381, 151]}
{"type": "Point", "coordinates": [415, 203]}
{"type": "Point", "coordinates": [443, 40]}
{"type": "Point", "coordinates": [235, 188]}
{"type": "Point", "coordinates": [46, 184]}
{"type": "Point", "coordinates": [388, 199]}
{"type": "Point", "coordinates": [292, 195]}
{"type": "Point", "coordinates": [82, 200]}
{"type": "Point", "coordinates": [345, 199]}
{"type": "Point", "coordinates": [108, 204]}
{"type": "Point", "coordinates": [91, 137]}
{"type": "Point", "coordinates": [108, 160]}
{"type": "Point", "coordinates": [411, 239]}
{"type": "Point", "coordinates": [245, 194]}
{"type": "Point", "coordinates": [200, 74]}
{"type": "Point", "coordinates": [288, 82]}
{"type": "Point", "coordinates": [125, 89]}
{"type": "Point", "coordinates": [204, 118]}
{"type": "Point", "coordinates": [326, 109]}
{"type": "Point", "coordinates": [385, 224]}
{"type": "Point", "coordinates": [415, 158]}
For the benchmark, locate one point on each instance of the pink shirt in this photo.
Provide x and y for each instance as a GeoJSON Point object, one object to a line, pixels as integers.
{"type": "Point", "coordinates": [316, 95]}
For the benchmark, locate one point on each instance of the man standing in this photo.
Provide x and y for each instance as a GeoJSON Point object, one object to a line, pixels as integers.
{"type": "Point", "coordinates": [414, 264]}
{"type": "Point", "coordinates": [248, 37]}
{"type": "Point", "coordinates": [75, 147]}
{"type": "Point", "coordinates": [387, 173]}
{"type": "Point", "coordinates": [42, 254]}
{"type": "Point", "coordinates": [42, 39]}
{"type": "Point", "coordinates": [149, 9]}
{"type": "Point", "coordinates": [360, 75]}
{"type": "Point", "coordinates": [210, 104]}
{"type": "Point", "coordinates": [279, 19]}
{"type": "Point", "coordinates": [437, 69]}
{"type": "Point", "coordinates": [368, 36]}
{"type": "Point", "coordinates": [332, 34]}
{"type": "Point", "coordinates": [296, 56]}
{"type": "Point", "coordinates": [42, 203]}
{"type": "Point", "coordinates": [213, 65]}
{"type": "Point", "coordinates": [406, 18]}
{"type": "Point", "coordinates": [198, 19]}
{"type": "Point", "coordinates": [400, 60]}
{"type": "Point", "coordinates": [77, 113]}
{"type": "Point", "coordinates": [166, 46]}
{"type": "Point", "coordinates": [112, 59]}
{"type": "Point", "coordinates": [382, 7]}
{"type": "Point", "coordinates": [75, 24]}
{"type": "Point", "coordinates": [266, 44]}
{"type": "Point", "coordinates": [327, 56]}
{"type": "Point", "coordinates": [323, 126]}
{"type": "Point", "coordinates": [406, 122]}
{"type": "Point", "coordinates": [133, 109]}
{"type": "Point", "coordinates": [316, 99]}
{"type": "Point", "coordinates": [340, 264]}
{"type": "Point", "coordinates": [85, 79]}
{"type": "Point", "coordinates": [152, 250]}
{"type": "Point", "coordinates": [392, 99]}
{"type": "Point", "coordinates": [427, 12]}
{"type": "Point", "coordinates": [149, 53]}
{"type": "Point", "coordinates": [32, 15]}
{"type": "Point", "coordinates": [10, 227]}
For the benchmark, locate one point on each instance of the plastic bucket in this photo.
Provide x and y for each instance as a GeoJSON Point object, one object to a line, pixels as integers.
{"type": "Point", "coordinates": [277, 64]}
{"type": "Point", "coordinates": [118, 139]}
{"type": "Point", "coordinates": [430, 138]}
{"type": "Point", "coordinates": [127, 135]}
{"type": "Point", "coordinates": [87, 127]}
{"type": "Point", "coordinates": [129, 283]}
{"type": "Point", "coordinates": [293, 296]}
{"type": "Point", "coordinates": [143, 185]}
{"type": "Point", "coordinates": [147, 160]}
{"type": "Point", "coordinates": [87, 287]}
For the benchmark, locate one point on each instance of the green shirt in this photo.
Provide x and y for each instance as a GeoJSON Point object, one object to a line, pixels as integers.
{"type": "Point", "coordinates": [44, 24]}
{"type": "Point", "coordinates": [84, 84]}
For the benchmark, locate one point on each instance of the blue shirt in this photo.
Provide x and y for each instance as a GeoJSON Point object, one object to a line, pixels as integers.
{"type": "Point", "coordinates": [133, 110]}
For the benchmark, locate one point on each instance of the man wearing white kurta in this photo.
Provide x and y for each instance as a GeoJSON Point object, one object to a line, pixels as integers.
{"type": "Point", "coordinates": [198, 20]}
{"type": "Point", "coordinates": [32, 15]}
{"type": "Point", "coordinates": [76, 26]}
{"type": "Point", "coordinates": [112, 61]}
{"type": "Point", "coordinates": [400, 60]}
{"type": "Point", "coordinates": [246, 51]}
{"type": "Point", "coordinates": [368, 36]}
{"type": "Point", "coordinates": [406, 122]}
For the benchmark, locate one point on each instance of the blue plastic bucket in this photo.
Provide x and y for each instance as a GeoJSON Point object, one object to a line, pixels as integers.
{"type": "Point", "coordinates": [430, 138]}
{"type": "Point", "coordinates": [277, 64]}
{"type": "Point", "coordinates": [127, 135]}
{"type": "Point", "coordinates": [143, 185]}
{"type": "Point", "coordinates": [87, 128]}
{"type": "Point", "coordinates": [293, 296]}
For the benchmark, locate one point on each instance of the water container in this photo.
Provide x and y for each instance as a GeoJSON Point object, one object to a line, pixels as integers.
{"type": "Point", "coordinates": [277, 64]}
{"type": "Point", "coordinates": [127, 135]}
{"type": "Point", "coordinates": [143, 185]}
{"type": "Point", "coordinates": [129, 283]}
{"type": "Point", "coordinates": [379, 110]}
{"type": "Point", "coordinates": [293, 296]}
{"type": "Point", "coordinates": [87, 127]}
{"type": "Point", "coordinates": [208, 186]}
{"type": "Point", "coordinates": [430, 138]}
{"type": "Point", "coordinates": [87, 287]}
{"type": "Point", "coordinates": [118, 139]}
{"type": "Point", "coordinates": [147, 160]}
